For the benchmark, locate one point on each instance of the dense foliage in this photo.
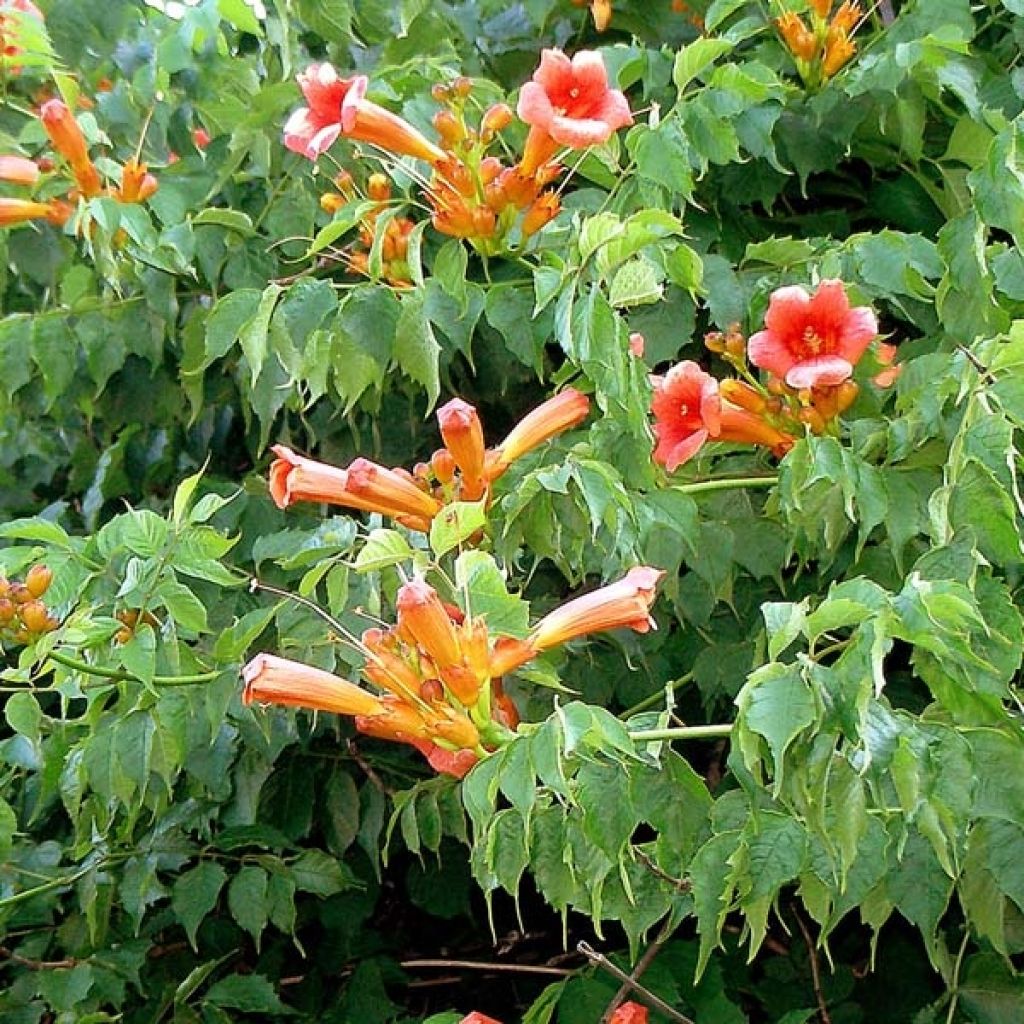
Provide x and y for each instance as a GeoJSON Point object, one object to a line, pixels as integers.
{"type": "Point", "coordinates": [799, 798]}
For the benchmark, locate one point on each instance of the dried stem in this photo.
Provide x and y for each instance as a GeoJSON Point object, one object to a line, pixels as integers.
{"type": "Point", "coordinates": [600, 960]}
{"type": "Point", "coordinates": [641, 965]}
{"type": "Point", "coordinates": [812, 955]}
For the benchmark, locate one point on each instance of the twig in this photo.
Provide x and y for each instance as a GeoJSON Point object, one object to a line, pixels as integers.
{"type": "Point", "coordinates": [37, 965]}
{"type": "Point", "coordinates": [124, 677]}
{"type": "Point", "coordinates": [368, 770]}
{"type": "Point", "coordinates": [812, 954]}
{"type": "Point", "coordinates": [480, 965]}
{"type": "Point", "coordinates": [641, 965]}
{"type": "Point", "coordinates": [682, 884]}
{"type": "Point", "coordinates": [686, 732]}
{"type": "Point", "coordinates": [600, 960]}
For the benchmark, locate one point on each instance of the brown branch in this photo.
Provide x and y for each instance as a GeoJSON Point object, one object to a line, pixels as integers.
{"type": "Point", "coordinates": [37, 965]}
{"type": "Point", "coordinates": [812, 954]}
{"type": "Point", "coordinates": [681, 884]}
{"type": "Point", "coordinates": [600, 960]}
{"type": "Point", "coordinates": [641, 965]}
{"type": "Point", "coordinates": [368, 771]}
{"type": "Point", "coordinates": [481, 965]}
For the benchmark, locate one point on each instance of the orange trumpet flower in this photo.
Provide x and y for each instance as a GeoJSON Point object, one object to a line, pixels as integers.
{"type": "Point", "coordinates": [567, 409]}
{"type": "Point", "coordinates": [390, 492]}
{"type": "Point", "coordinates": [273, 680]}
{"type": "Point", "coordinates": [18, 170]}
{"type": "Point", "coordinates": [463, 436]}
{"type": "Point", "coordinates": [625, 603]}
{"type": "Point", "coordinates": [422, 614]}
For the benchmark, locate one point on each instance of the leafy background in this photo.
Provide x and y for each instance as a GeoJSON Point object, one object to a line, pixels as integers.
{"type": "Point", "coordinates": [852, 850]}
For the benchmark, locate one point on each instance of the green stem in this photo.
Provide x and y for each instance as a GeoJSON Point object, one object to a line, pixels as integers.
{"type": "Point", "coordinates": [683, 732]}
{"type": "Point", "coordinates": [122, 677]}
{"type": "Point", "coordinates": [654, 699]}
{"type": "Point", "coordinates": [727, 484]}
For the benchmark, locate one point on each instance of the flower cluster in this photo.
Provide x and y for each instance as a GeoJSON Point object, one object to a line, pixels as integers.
{"type": "Point", "coordinates": [14, 27]}
{"type": "Point", "coordinates": [23, 614]}
{"type": "Point", "coordinates": [395, 231]}
{"type": "Point", "coordinates": [827, 45]}
{"type": "Point", "coordinates": [438, 672]}
{"type": "Point", "coordinates": [473, 194]}
{"type": "Point", "coordinates": [463, 470]}
{"type": "Point", "coordinates": [65, 134]}
{"type": "Point", "coordinates": [808, 349]}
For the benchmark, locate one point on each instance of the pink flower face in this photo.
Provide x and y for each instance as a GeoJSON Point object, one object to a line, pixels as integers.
{"type": "Point", "coordinates": [570, 100]}
{"type": "Point", "coordinates": [687, 411]}
{"type": "Point", "coordinates": [812, 341]}
{"type": "Point", "coordinates": [333, 103]}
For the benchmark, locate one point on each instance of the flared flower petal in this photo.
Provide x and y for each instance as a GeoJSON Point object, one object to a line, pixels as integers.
{"type": "Point", "coordinates": [570, 103]}
{"type": "Point", "coordinates": [687, 412]}
{"type": "Point", "coordinates": [812, 341]}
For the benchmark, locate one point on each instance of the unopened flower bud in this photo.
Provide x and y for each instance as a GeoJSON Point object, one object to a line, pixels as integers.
{"type": "Point", "coordinates": [846, 395]}
{"type": "Point", "coordinates": [378, 188]}
{"type": "Point", "coordinates": [440, 92]}
{"type": "Point", "coordinates": [332, 202]}
{"type": "Point", "coordinates": [542, 211]}
{"type": "Point", "coordinates": [714, 341]}
{"type": "Point", "coordinates": [496, 119]}
{"type": "Point", "coordinates": [442, 462]}
{"type": "Point", "coordinates": [450, 128]}
{"type": "Point", "coordinates": [462, 87]}
{"type": "Point", "coordinates": [38, 580]}
{"type": "Point", "coordinates": [34, 617]}
{"type": "Point", "coordinates": [6, 610]}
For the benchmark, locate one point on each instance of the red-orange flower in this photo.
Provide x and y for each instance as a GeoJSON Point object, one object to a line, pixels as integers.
{"type": "Point", "coordinates": [273, 680]}
{"type": "Point", "coordinates": [448, 762]}
{"type": "Point", "coordinates": [798, 37]}
{"type": "Point", "coordinates": [64, 132]}
{"type": "Point", "coordinates": [17, 211]}
{"type": "Point", "coordinates": [339, 105]}
{"type": "Point", "coordinates": [389, 491]}
{"type": "Point", "coordinates": [629, 1013]}
{"type": "Point", "coordinates": [294, 478]}
{"type": "Point", "coordinates": [687, 412]}
{"type": "Point", "coordinates": [625, 603]}
{"type": "Point", "coordinates": [810, 341]}
{"type": "Point", "coordinates": [569, 103]}
{"type": "Point", "coordinates": [463, 435]}
{"type": "Point", "coordinates": [558, 414]}
{"type": "Point", "coordinates": [422, 614]}
{"type": "Point", "coordinates": [19, 170]}
{"type": "Point", "coordinates": [476, 1017]}
{"type": "Point", "coordinates": [137, 184]}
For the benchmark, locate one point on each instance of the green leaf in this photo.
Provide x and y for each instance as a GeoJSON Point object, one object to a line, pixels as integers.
{"type": "Point", "coordinates": [195, 894]}
{"type": "Point", "coordinates": [693, 59]}
{"type": "Point", "coordinates": [777, 704]}
{"type": "Point", "coordinates": [455, 524]}
{"type": "Point", "coordinates": [247, 900]}
{"type": "Point", "coordinates": [251, 993]}
{"type": "Point", "coordinates": [383, 548]}
{"type": "Point", "coordinates": [416, 349]}
{"type": "Point", "coordinates": [478, 576]}
{"type": "Point", "coordinates": [239, 15]}
{"type": "Point", "coordinates": [320, 874]}
{"type": "Point", "coordinates": [636, 283]}
{"type": "Point", "coordinates": [223, 217]}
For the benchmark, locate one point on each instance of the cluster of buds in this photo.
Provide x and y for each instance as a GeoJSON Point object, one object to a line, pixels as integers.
{"type": "Point", "coordinates": [463, 470]}
{"type": "Point", "coordinates": [825, 46]}
{"type": "Point", "coordinates": [808, 350]}
{"type": "Point", "coordinates": [15, 30]}
{"type": "Point", "coordinates": [131, 619]}
{"type": "Point", "coordinates": [439, 672]}
{"type": "Point", "coordinates": [23, 613]}
{"type": "Point", "coordinates": [473, 194]}
{"type": "Point", "coordinates": [65, 134]}
{"type": "Point", "coordinates": [394, 231]}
